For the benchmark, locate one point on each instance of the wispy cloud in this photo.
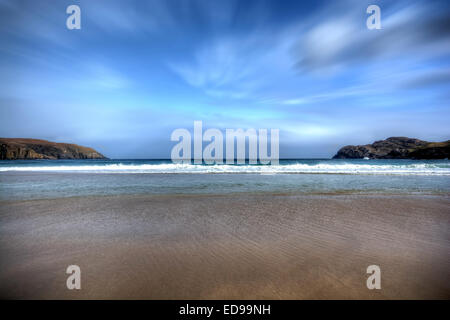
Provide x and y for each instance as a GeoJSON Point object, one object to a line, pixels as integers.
{"type": "Point", "coordinates": [226, 65]}
{"type": "Point", "coordinates": [339, 38]}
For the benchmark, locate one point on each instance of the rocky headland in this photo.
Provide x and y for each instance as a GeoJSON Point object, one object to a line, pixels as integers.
{"type": "Point", "coordinates": [397, 148]}
{"type": "Point", "coordinates": [28, 149]}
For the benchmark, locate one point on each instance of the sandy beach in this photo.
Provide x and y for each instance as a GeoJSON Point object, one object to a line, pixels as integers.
{"type": "Point", "coordinates": [236, 246]}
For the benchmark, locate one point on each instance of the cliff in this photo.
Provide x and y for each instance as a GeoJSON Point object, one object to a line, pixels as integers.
{"type": "Point", "coordinates": [17, 148]}
{"type": "Point", "coordinates": [397, 148]}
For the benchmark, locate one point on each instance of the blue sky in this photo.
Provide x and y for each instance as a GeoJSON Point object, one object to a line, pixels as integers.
{"type": "Point", "coordinates": [137, 70]}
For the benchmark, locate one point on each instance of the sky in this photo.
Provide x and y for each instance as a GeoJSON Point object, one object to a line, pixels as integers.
{"type": "Point", "coordinates": [137, 70]}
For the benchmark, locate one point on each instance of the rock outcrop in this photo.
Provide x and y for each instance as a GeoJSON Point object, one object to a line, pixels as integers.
{"type": "Point", "coordinates": [397, 148]}
{"type": "Point", "coordinates": [17, 148]}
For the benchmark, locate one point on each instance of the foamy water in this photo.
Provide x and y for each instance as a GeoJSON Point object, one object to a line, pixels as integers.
{"type": "Point", "coordinates": [389, 167]}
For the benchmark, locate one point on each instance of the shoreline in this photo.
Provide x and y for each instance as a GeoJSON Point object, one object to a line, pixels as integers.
{"type": "Point", "coordinates": [229, 246]}
{"type": "Point", "coordinates": [306, 194]}
{"type": "Point", "coordinates": [36, 185]}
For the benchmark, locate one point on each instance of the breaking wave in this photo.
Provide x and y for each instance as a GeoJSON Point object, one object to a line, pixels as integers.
{"type": "Point", "coordinates": [441, 168]}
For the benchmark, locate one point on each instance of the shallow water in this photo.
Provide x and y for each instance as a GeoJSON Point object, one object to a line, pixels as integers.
{"type": "Point", "coordinates": [43, 179]}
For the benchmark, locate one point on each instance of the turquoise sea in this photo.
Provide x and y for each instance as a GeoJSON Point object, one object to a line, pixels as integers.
{"type": "Point", "coordinates": [38, 179]}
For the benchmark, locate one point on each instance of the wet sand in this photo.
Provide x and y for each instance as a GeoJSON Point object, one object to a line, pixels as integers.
{"type": "Point", "coordinates": [239, 246]}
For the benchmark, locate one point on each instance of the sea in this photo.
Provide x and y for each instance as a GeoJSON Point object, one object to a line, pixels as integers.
{"type": "Point", "coordinates": [47, 179]}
